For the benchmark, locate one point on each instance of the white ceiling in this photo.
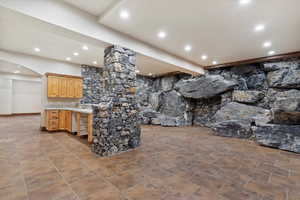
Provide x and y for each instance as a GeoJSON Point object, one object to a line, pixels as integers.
{"type": "Point", "coordinates": [11, 68]}
{"type": "Point", "coordinates": [221, 29]}
{"type": "Point", "coordinates": [94, 7]}
{"type": "Point", "coordinates": [58, 43]}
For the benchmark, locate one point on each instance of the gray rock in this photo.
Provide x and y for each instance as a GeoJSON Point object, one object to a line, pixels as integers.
{"type": "Point", "coordinates": [278, 136]}
{"type": "Point", "coordinates": [284, 78]}
{"type": "Point", "coordinates": [248, 96]}
{"type": "Point", "coordinates": [155, 100]}
{"type": "Point", "coordinates": [204, 87]}
{"type": "Point", "coordinates": [168, 82]}
{"type": "Point", "coordinates": [242, 112]}
{"type": "Point", "coordinates": [257, 81]}
{"type": "Point", "coordinates": [273, 66]}
{"type": "Point", "coordinates": [232, 128]}
{"type": "Point", "coordinates": [173, 104]}
{"type": "Point", "coordinates": [205, 110]}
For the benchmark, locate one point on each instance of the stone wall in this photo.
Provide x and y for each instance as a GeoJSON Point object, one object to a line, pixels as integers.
{"type": "Point", "coordinates": [116, 117]}
{"type": "Point", "coordinates": [260, 101]}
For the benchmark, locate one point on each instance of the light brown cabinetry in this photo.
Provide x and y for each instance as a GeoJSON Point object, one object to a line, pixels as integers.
{"type": "Point", "coordinates": [52, 120]}
{"type": "Point", "coordinates": [59, 120]}
{"type": "Point", "coordinates": [62, 86]}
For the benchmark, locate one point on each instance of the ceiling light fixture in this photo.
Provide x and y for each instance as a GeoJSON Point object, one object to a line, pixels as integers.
{"type": "Point", "coordinates": [259, 27]}
{"type": "Point", "coordinates": [85, 48]}
{"type": "Point", "coordinates": [16, 72]}
{"type": "Point", "coordinates": [124, 14]}
{"type": "Point", "coordinates": [188, 48]}
{"type": "Point", "coordinates": [137, 71]}
{"type": "Point", "coordinates": [68, 58]}
{"type": "Point", "coordinates": [204, 57]}
{"type": "Point", "coordinates": [95, 63]}
{"type": "Point", "coordinates": [244, 2]}
{"type": "Point", "coordinates": [37, 49]}
{"type": "Point", "coordinates": [271, 52]}
{"type": "Point", "coordinates": [267, 44]}
{"type": "Point", "coordinates": [150, 74]}
{"type": "Point", "coordinates": [162, 34]}
{"type": "Point", "coordinates": [75, 54]}
{"type": "Point", "coordinates": [214, 62]}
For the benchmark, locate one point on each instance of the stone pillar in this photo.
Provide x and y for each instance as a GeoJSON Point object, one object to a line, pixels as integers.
{"type": "Point", "coordinates": [116, 118]}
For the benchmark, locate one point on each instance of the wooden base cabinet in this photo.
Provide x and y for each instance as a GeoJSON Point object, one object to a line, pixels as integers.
{"type": "Point", "coordinates": [59, 120]}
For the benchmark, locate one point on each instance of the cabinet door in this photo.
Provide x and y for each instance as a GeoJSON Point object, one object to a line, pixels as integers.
{"type": "Point", "coordinates": [52, 120]}
{"type": "Point", "coordinates": [62, 87]}
{"type": "Point", "coordinates": [53, 86]}
{"type": "Point", "coordinates": [62, 120]}
{"type": "Point", "coordinates": [70, 88]}
{"type": "Point", "coordinates": [68, 121]}
{"type": "Point", "coordinates": [78, 88]}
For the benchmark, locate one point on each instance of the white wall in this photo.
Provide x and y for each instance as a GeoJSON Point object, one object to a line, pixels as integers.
{"type": "Point", "coordinates": [5, 96]}
{"type": "Point", "coordinates": [20, 94]}
{"type": "Point", "coordinates": [26, 96]}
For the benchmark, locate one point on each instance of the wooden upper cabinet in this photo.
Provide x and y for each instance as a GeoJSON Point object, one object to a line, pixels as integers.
{"type": "Point", "coordinates": [70, 88]}
{"type": "Point", "coordinates": [78, 88]}
{"type": "Point", "coordinates": [62, 86]}
{"type": "Point", "coordinates": [53, 83]}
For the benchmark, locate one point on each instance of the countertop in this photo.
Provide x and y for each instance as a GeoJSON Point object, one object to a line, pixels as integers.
{"type": "Point", "coordinates": [81, 110]}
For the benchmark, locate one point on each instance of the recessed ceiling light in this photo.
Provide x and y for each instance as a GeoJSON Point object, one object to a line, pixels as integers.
{"type": "Point", "coordinates": [214, 62]}
{"type": "Point", "coordinates": [271, 52]}
{"type": "Point", "coordinates": [75, 54]}
{"type": "Point", "coordinates": [150, 74]}
{"type": "Point", "coordinates": [188, 48]}
{"type": "Point", "coordinates": [124, 14]}
{"type": "Point", "coordinates": [95, 62]}
{"type": "Point", "coordinates": [243, 2]}
{"type": "Point", "coordinates": [68, 58]}
{"type": "Point", "coordinates": [37, 49]}
{"type": "Point", "coordinates": [16, 72]}
{"type": "Point", "coordinates": [267, 44]}
{"type": "Point", "coordinates": [204, 57]}
{"type": "Point", "coordinates": [162, 34]}
{"type": "Point", "coordinates": [85, 47]}
{"type": "Point", "coordinates": [137, 71]}
{"type": "Point", "coordinates": [259, 27]}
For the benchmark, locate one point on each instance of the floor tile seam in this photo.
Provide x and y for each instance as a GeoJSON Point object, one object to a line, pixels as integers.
{"type": "Point", "coordinates": [63, 178]}
{"type": "Point", "coordinates": [84, 164]}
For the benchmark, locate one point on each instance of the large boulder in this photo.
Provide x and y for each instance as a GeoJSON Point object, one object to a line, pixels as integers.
{"type": "Point", "coordinates": [247, 96]}
{"type": "Point", "coordinates": [175, 109]}
{"type": "Point", "coordinates": [238, 111]}
{"type": "Point", "coordinates": [155, 100]}
{"type": "Point", "coordinates": [204, 87]}
{"type": "Point", "coordinates": [278, 136]}
{"type": "Point", "coordinates": [235, 120]}
{"type": "Point", "coordinates": [284, 78]}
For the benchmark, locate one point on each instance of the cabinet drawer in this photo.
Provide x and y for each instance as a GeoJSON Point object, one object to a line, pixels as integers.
{"type": "Point", "coordinates": [53, 114]}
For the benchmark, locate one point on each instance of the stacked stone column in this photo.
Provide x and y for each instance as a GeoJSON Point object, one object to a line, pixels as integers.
{"type": "Point", "coordinates": [116, 118]}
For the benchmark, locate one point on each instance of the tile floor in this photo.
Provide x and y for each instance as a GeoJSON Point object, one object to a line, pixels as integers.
{"type": "Point", "coordinates": [172, 164]}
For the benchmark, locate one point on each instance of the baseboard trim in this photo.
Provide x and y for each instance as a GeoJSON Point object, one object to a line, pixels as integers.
{"type": "Point", "coordinates": [19, 114]}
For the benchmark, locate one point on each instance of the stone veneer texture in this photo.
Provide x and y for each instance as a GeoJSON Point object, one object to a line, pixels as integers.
{"type": "Point", "coordinates": [92, 84]}
{"type": "Point", "coordinates": [116, 117]}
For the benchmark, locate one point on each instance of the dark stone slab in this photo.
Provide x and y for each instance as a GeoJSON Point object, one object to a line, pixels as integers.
{"type": "Point", "coordinates": [284, 78]}
{"type": "Point", "coordinates": [204, 87]}
{"type": "Point", "coordinates": [283, 137]}
{"type": "Point", "coordinates": [232, 128]}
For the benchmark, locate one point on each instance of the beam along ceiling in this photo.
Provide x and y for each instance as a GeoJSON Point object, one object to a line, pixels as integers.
{"type": "Point", "coordinates": [216, 30]}
{"type": "Point", "coordinates": [57, 43]}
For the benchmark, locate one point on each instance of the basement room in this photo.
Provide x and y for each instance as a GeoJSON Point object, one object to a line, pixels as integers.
{"type": "Point", "coordinates": [149, 100]}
